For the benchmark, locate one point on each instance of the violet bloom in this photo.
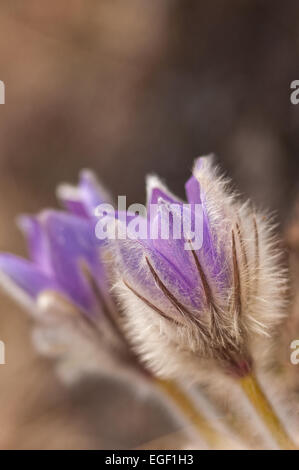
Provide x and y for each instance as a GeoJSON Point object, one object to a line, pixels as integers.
{"type": "Point", "coordinates": [193, 310]}
{"type": "Point", "coordinates": [65, 287]}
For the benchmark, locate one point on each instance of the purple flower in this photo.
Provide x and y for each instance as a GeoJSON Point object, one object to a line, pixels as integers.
{"type": "Point", "coordinates": [64, 284]}
{"type": "Point", "coordinates": [196, 308]}
{"type": "Point", "coordinates": [60, 245]}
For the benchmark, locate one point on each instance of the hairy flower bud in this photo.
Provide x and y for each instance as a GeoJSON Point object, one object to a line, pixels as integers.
{"type": "Point", "coordinates": [189, 310]}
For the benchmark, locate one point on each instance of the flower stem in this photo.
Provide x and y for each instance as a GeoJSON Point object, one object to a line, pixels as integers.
{"type": "Point", "coordinates": [264, 409]}
{"type": "Point", "coordinates": [212, 437]}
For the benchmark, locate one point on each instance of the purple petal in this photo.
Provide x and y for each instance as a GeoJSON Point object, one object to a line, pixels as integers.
{"type": "Point", "coordinates": [175, 281]}
{"type": "Point", "coordinates": [174, 250]}
{"type": "Point", "coordinates": [211, 255]}
{"type": "Point", "coordinates": [93, 193]}
{"type": "Point", "coordinates": [83, 199]}
{"type": "Point", "coordinates": [26, 275]}
{"type": "Point", "coordinates": [158, 194]}
{"type": "Point", "coordinates": [37, 242]}
{"type": "Point", "coordinates": [132, 256]}
{"type": "Point", "coordinates": [192, 188]}
{"type": "Point", "coordinates": [70, 198]}
{"type": "Point", "coordinates": [72, 240]}
{"type": "Point", "coordinates": [156, 190]}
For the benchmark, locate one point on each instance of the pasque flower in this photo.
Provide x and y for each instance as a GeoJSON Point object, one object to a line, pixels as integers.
{"type": "Point", "coordinates": [207, 304]}
{"type": "Point", "coordinates": [64, 286]}
{"type": "Point", "coordinates": [187, 308]}
{"type": "Point", "coordinates": [191, 311]}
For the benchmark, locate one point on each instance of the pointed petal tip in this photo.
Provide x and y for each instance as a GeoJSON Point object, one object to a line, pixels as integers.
{"type": "Point", "coordinates": [202, 161]}
{"type": "Point", "coordinates": [72, 200]}
{"type": "Point", "coordinates": [12, 289]}
{"type": "Point", "coordinates": [192, 185]}
{"type": "Point", "coordinates": [92, 191]}
{"type": "Point", "coordinates": [88, 175]}
{"type": "Point", "coordinates": [25, 274]}
{"type": "Point", "coordinates": [199, 161]}
{"type": "Point", "coordinates": [25, 223]}
{"type": "Point", "coordinates": [156, 189]}
{"type": "Point", "coordinates": [46, 216]}
{"type": "Point", "coordinates": [66, 191]}
{"type": "Point", "coordinates": [153, 181]}
{"type": "Point", "coordinates": [20, 281]}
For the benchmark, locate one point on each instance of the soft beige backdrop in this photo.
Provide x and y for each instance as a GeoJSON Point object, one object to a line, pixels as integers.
{"type": "Point", "coordinates": [129, 87]}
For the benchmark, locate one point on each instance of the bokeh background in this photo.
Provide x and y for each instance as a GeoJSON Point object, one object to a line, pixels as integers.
{"type": "Point", "coordinates": [128, 87]}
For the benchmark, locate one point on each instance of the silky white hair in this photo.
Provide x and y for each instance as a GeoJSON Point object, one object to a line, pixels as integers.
{"type": "Point", "coordinates": [234, 324]}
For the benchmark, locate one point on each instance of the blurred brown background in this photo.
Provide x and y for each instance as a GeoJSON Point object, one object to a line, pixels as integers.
{"type": "Point", "coordinates": [128, 87]}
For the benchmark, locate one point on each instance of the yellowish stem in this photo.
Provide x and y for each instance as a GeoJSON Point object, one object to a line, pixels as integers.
{"type": "Point", "coordinates": [213, 438]}
{"type": "Point", "coordinates": [264, 409]}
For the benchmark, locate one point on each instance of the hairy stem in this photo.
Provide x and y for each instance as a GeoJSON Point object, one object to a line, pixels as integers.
{"type": "Point", "coordinates": [266, 412]}
{"type": "Point", "coordinates": [212, 437]}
